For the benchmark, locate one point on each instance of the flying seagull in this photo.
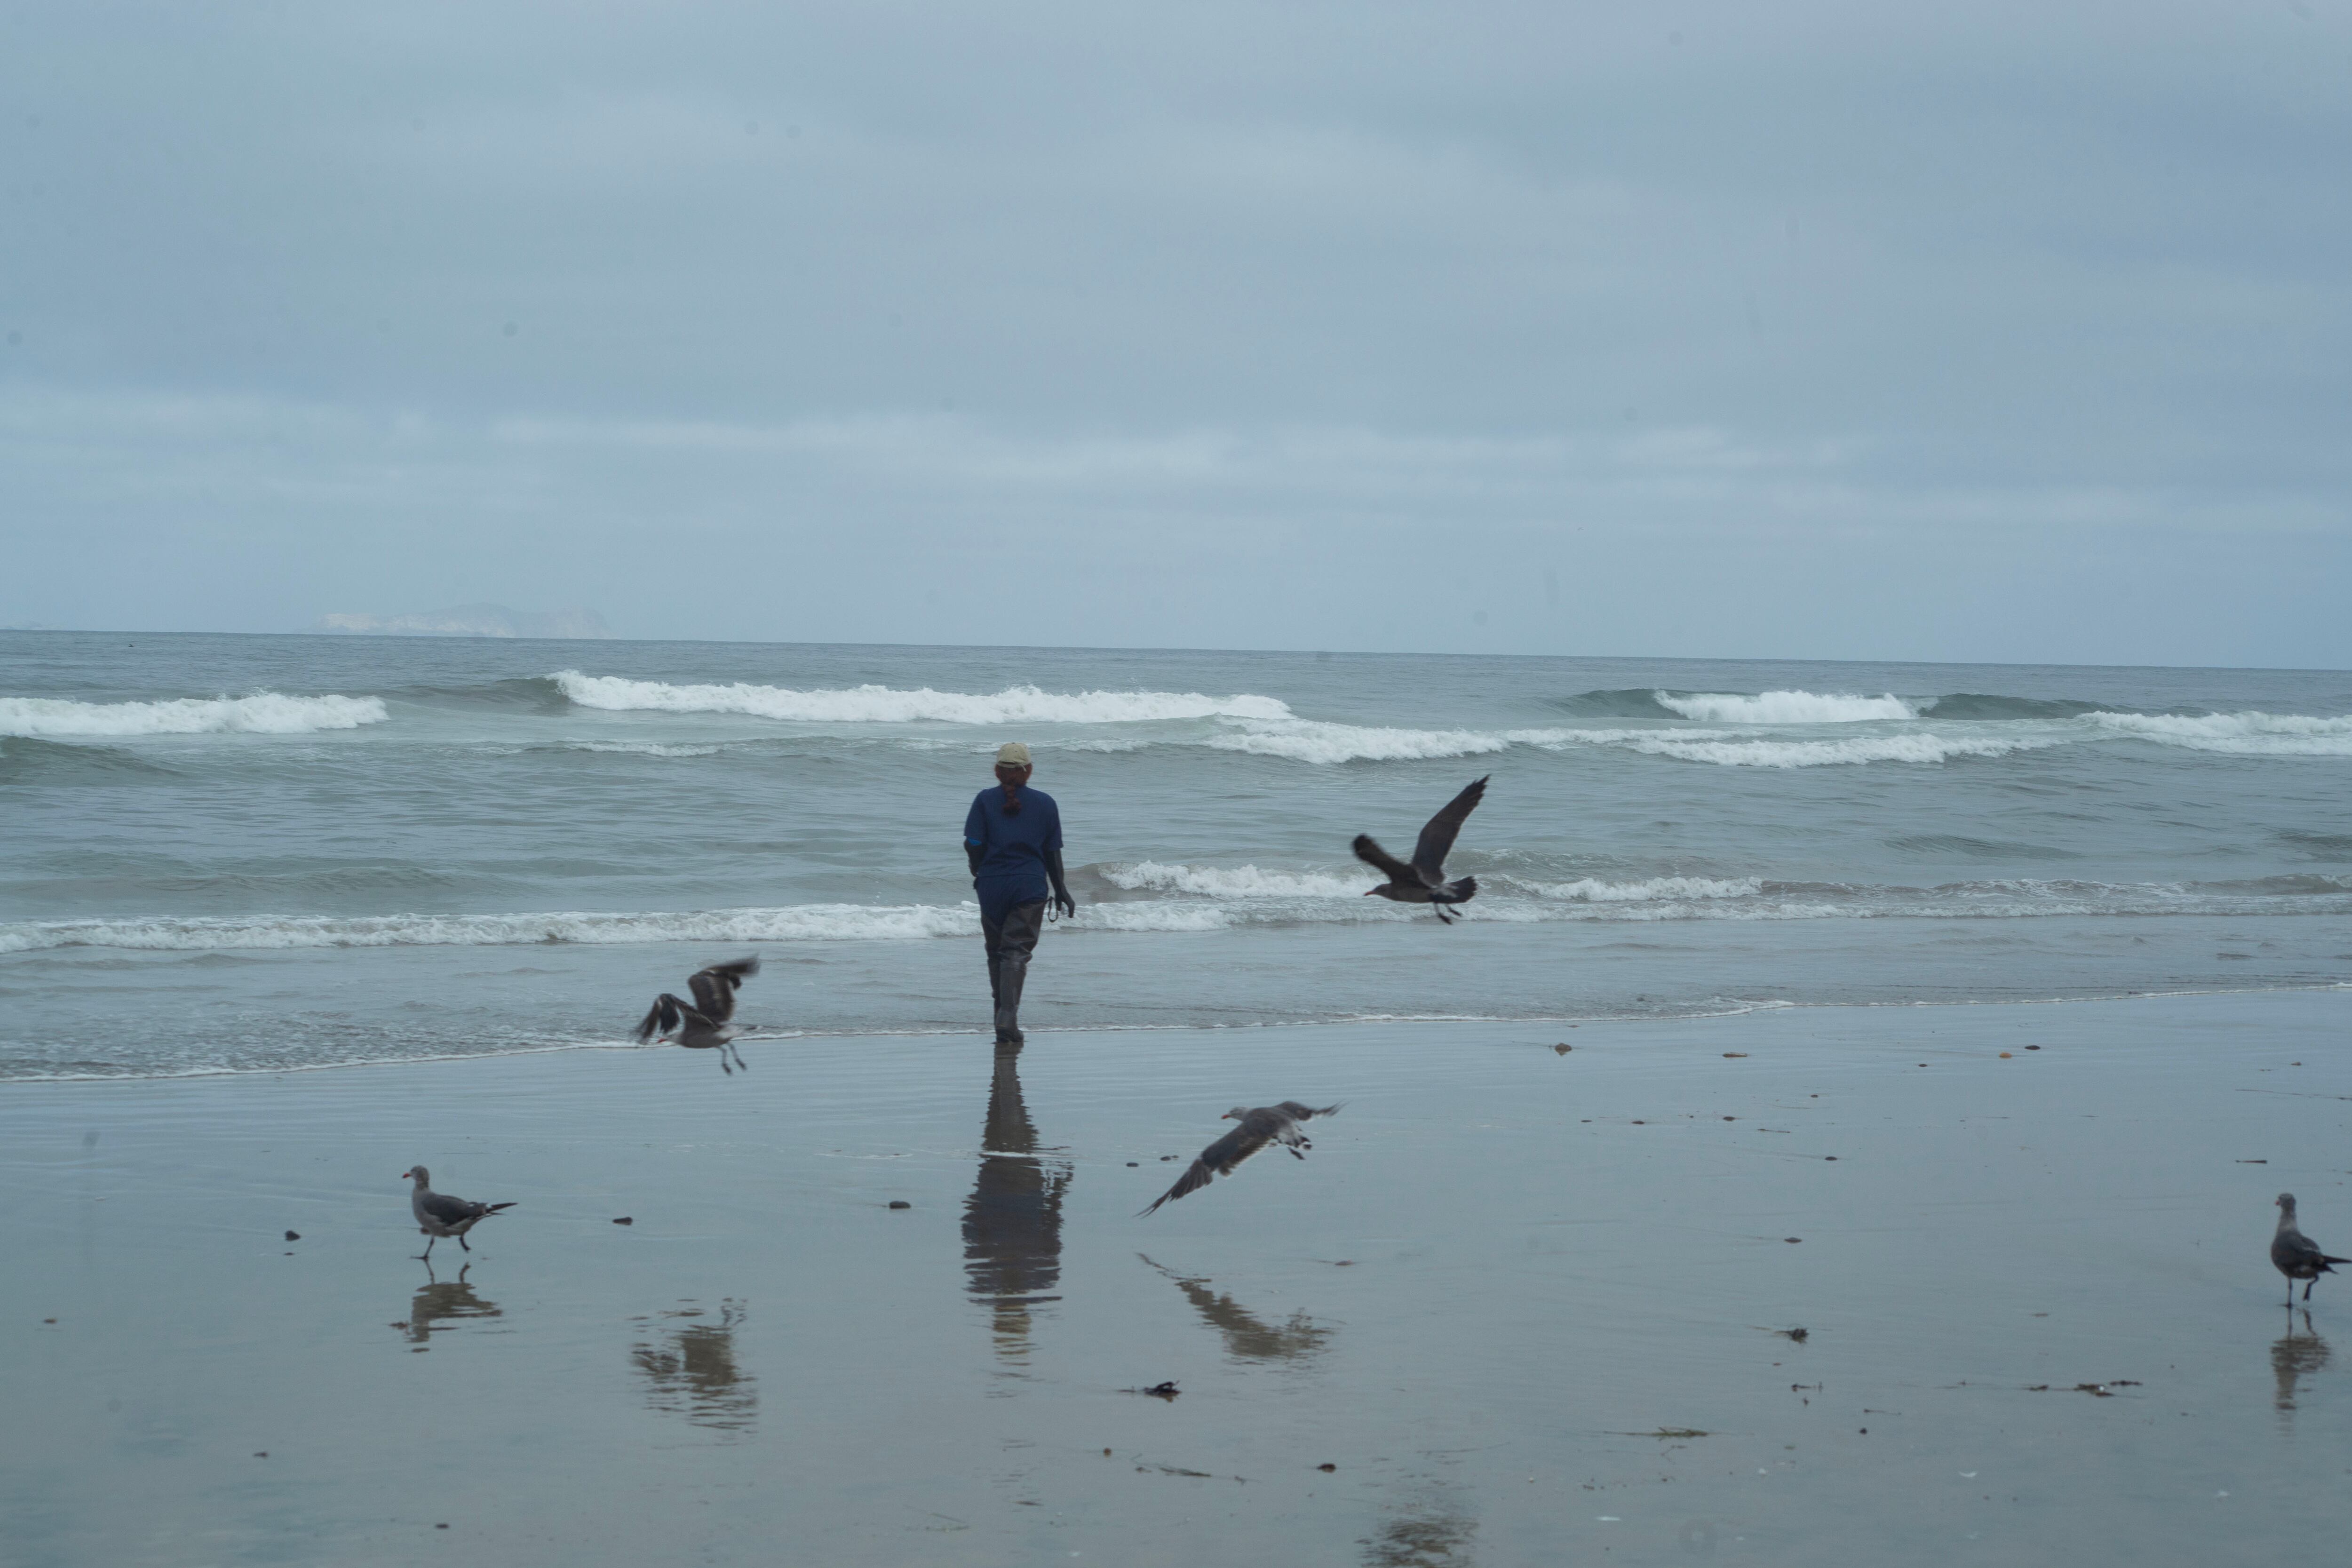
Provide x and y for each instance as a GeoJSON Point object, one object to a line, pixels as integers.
{"type": "Point", "coordinates": [439, 1214]}
{"type": "Point", "coordinates": [1266, 1124]}
{"type": "Point", "coordinates": [704, 1025]}
{"type": "Point", "coordinates": [2295, 1255]}
{"type": "Point", "coordinates": [1423, 881]}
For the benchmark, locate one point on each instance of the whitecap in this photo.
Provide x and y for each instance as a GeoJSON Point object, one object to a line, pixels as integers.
{"type": "Point", "coordinates": [1231, 881]}
{"type": "Point", "coordinates": [892, 705]}
{"type": "Point", "coordinates": [2250, 734]}
{"type": "Point", "coordinates": [1316, 740]}
{"type": "Point", "coordinates": [260, 713]}
{"type": "Point", "coordinates": [801, 923]}
{"type": "Point", "coordinates": [1728, 751]}
{"type": "Point", "coordinates": [1785, 707]}
{"type": "Point", "coordinates": [1590, 890]}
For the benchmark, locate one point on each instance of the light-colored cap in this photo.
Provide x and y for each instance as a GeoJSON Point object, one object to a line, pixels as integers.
{"type": "Point", "coordinates": [1013, 754]}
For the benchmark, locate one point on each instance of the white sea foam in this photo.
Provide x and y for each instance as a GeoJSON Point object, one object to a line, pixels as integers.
{"type": "Point", "coordinates": [1729, 752]}
{"type": "Point", "coordinates": [2250, 734]}
{"type": "Point", "coordinates": [1786, 707]}
{"type": "Point", "coordinates": [1233, 881]}
{"type": "Point", "coordinates": [642, 748]}
{"type": "Point", "coordinates": [1315, 740]}
{"type": "Point", "coordinates": [261, 713]}
{"type": "Point", "coordinates": [802, 922]}
{"type": "Point", "coordinates": [1589, 890]}
{"type": "Point", "coordinates": [891, 705]}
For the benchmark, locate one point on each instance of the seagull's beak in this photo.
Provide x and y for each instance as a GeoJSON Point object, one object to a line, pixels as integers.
{"type": "Point", "coordinates": [1370, 892]}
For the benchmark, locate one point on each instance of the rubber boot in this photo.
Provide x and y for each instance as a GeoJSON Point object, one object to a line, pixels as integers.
{"type": "Point", "coordinates": [1013, 973]}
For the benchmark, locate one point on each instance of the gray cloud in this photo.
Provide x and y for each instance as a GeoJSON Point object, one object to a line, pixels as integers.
{"type": "Point", "coordinates": [1822, 331]}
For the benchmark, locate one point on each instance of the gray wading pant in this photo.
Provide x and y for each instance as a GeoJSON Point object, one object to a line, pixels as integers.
{"type": "Point", "coordinates": [1010, 942]}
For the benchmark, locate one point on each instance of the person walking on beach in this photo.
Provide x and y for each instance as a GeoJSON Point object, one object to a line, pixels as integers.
{"type": "Point", "coordinates": [1012, 840]}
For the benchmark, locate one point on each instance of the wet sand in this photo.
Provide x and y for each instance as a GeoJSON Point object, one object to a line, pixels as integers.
{"type": "Point", "coordinates": [1524, 1303]}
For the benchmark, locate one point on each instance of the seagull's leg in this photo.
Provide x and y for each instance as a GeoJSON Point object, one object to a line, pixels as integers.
{"type": "Point", "coordinates": [462, 1242]}
{"type": "Point", "coordinates": [426, 1257]}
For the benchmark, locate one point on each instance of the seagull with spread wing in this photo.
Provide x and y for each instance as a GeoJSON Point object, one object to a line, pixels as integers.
{"type": "Point", "coordinates": [1423, 881]}
{"type": "Point", "coordinates": [703, 1027]}
{"type": "Point", "coordinates": [439, 1214]}
{"type": "Point", "coordinates": [1275, 1124]}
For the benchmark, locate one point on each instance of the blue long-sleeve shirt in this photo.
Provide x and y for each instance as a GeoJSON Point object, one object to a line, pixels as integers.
{"type": "Point", "coordinates": [1012, 849]}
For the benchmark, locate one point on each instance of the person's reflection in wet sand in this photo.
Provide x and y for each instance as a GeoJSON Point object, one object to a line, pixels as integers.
{"type": "Point", "coordinates": [691, 1371]}
{"type": "Point", "coordinates": [1247, 1336]}
{"type": "Point", "coordinates": [1013, 1221]}
{"type": "Point", "coordinates": [444, 1301]}
{"type": "Point", "coordinates": [2295, 1356]}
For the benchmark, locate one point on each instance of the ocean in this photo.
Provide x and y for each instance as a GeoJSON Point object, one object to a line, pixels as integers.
{"type": "Point", "coordinates": [234, 854]}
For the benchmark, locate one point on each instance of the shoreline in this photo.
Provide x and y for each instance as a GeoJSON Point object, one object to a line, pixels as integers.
{"type": "Point", "coordinates": [1046, 1032]}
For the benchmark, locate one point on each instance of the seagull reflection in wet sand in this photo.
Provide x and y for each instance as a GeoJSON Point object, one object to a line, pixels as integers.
{"type": "Point", "coordinates": [1013, 1221]}
{"type": "Point", "coordinates": [1247, 1336]}
{"type": "Point", "coordinates": [1427, 1530]}
{"type": "Point", "coordinates": [692, 1371]}
{"type": "Point", "coordinates": [442, 1302]}
{"type": "Point", "coordinates": [2297, 1356]}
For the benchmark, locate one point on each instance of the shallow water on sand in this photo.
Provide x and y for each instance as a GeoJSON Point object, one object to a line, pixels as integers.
{"type": "Point", "coordinates": [1525, 1303]}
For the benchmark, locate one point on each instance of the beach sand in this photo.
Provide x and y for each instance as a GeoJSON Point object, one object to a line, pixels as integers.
{"type": "Point", "coordinates": [1521, 1302]}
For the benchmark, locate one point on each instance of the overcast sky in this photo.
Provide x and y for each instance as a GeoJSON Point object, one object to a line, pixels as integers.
{"type": "Point", "coordinates": [1996, 331]}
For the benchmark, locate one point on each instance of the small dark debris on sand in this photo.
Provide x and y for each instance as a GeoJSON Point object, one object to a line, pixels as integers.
{"type": "Point", "coordinates": [901, 1204]}
{"type": "Point", "coordinates": [1666, 1431]}
{"type": "Point", "coordinates": [1798, 1335]}
{"type": "Point", "coordinates": [1793, 1239]}
{"type": "Point", "coordinates": [1326, 1470]}
{"type": "Point", "coordinates": [2095, 1390]}
{"type": "Point", "coordinates": [2254, 1162]}
{"type": "Point", "coordinates": [293, 1235]}
{"type": "Point", "coordinates": [1562, 1048]}
{"type": "Point", "coordinates": [261, 1453]}
{"type": "Point", "coordinates": [626, 1219]}
{"type": "Point", "coordinates": [1157, 1391]}
{"type": "Point", "coordinates": [1165, 1158]}
{"type": "Point", "coordinates": [48, 1320]}
{"type": "Point", "coordinates": [1733, 1056]}
{"type": "Point", "coordinates": [1132, 1163]}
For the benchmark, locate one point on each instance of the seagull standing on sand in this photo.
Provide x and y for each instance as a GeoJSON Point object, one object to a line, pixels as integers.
{"type": "Point", "coordinates": [703, 1027]}
{"type": "Point", "coordinates": [439, 1214]}
{"type": "Point", "coordinates": [2295, 1255]}
{"type": "Point", "coordinates": [1423, 881]}
{"type": "Point", "coordinates": [1267, 1124]}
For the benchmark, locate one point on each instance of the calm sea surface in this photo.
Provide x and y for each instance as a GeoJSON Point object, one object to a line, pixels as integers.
{"type": "Point", "coordinates": [228, 853]}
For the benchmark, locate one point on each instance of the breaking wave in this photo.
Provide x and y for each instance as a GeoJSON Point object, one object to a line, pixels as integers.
{"type": "Point", "coordinates": [1315, 740]}
{"type": "Point", "coordinates": [1784, 708]}
{"type": "Point", "coordinates": [802, 922]}
{"type": "Point", "coordinates": [891, 705]}
{"type": "Point", "coordinates": [2248, 734]}
{"type": "Point", "coordinates": [261, 713]}
{"type": "Point", "coordinates": [1735, 752]}
{"type": "Point", "coordinates": [1211, 897]}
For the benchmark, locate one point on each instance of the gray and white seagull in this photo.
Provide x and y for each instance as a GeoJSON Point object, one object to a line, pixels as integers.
{"type": "Point", "coordinates": [2295, 1255]}
{"type": "Point", "coordinates": [1275, 1124]}
{"type": "Point", "coordinates": [704, 1025]}
{"type": "Point", "coordinates": [439, 1214]}
{"type": "Point", "coordinates": [1423, 881]}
